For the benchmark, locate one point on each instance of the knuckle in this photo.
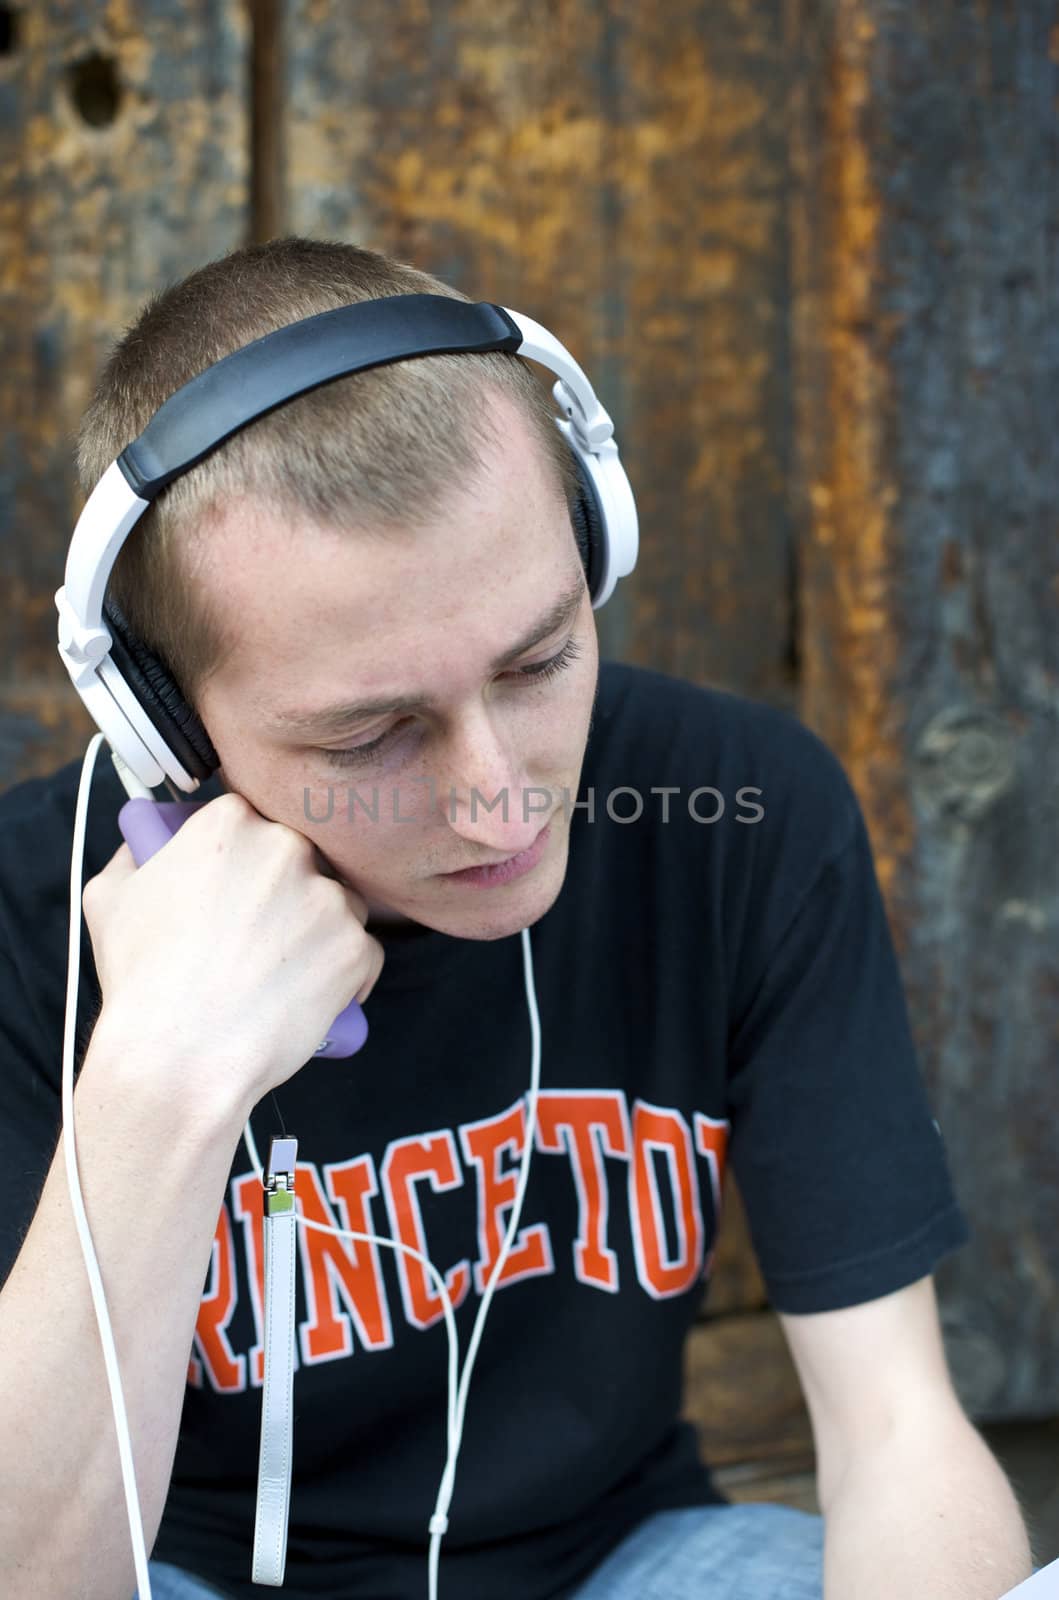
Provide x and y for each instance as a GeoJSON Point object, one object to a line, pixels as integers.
{"type": "Point", "coordinates": [295, 843]}
{"type": "Point", "coordinates": [376, 970]}
{"type": "Point", "coordinates": [222, 816]}
{"type": "Point", "coordinates": [327, 898]}
{"type": "Point", "coordinates": [228, 805]}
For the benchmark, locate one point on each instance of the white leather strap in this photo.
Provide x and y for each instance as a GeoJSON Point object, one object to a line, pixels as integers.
{"type": "Point", "coordinates": [277, 1397]}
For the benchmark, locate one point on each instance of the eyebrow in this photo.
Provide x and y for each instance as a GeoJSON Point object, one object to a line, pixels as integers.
{"type": "Point", "coordinates": [335, 719]}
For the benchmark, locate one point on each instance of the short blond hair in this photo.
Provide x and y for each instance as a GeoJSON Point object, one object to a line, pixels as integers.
{"type": "Point", "coordinates": [381, 447]}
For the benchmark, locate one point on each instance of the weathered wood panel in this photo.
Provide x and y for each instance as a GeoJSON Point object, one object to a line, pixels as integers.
{"type": "Point", "coordinates": [123, 163]}
{"type": "Point", "coordinates": [618, 173]}
{"type": "Point", "coordinates": [925, 151]}
{"type": "Point", "coordinates": [761, 1481]}
{"type": "Point", "coordinates": [735, 1282]}
{"type": "Point", "coordinates": [743, 1394]}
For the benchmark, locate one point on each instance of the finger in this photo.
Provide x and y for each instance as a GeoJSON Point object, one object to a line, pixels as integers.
{"type": "Point", "coordinates": [357, 902]}
{"type": "Point", "coordinates": [120, 866]}
{"type": "Point", "coordinates": [369, 983]}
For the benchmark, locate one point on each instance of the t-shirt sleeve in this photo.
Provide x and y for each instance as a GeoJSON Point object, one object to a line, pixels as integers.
{"type": "Point", "coordinates": [34, 921]}
{"type": "Point", "coordinates": [833, 1142]}
{"type": "Point", "coordinates": [30, 1116]}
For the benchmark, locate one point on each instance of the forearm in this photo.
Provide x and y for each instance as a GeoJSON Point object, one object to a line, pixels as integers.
{"type": "Point", "coordinates": [152, 1176]}
{"type": "Point", "coordinates": [925, 1514]}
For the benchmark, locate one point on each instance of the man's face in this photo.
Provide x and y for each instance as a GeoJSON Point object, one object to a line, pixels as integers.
{"type": "Point", "coordinates": [327, 619]}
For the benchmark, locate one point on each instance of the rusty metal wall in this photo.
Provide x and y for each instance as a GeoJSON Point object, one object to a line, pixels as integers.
{"type": "Point", "coordinates": [806, 250]}
{"type": "Point", "coordinates": [124, 161]}
{"type": "Point", "coordinates": [925, 310]}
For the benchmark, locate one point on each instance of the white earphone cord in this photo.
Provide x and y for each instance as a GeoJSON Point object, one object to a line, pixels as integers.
{"type": "Point", "coordinates": [457, 1394]}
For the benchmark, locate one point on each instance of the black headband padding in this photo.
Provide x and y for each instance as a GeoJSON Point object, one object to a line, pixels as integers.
{"type": "Point", "coordinates": [586, 514]}
{"type": "Point", "coordinates": [280, 365]}
{"type": "Point", "coordinates": [158, 694]}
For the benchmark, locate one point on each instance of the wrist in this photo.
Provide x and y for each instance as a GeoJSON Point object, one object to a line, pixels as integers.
{"type": "Point", "coordinates": [205, 1099]}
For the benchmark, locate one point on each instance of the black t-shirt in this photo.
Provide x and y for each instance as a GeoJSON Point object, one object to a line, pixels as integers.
{"type": "Point", "coordinates": [710, 992]}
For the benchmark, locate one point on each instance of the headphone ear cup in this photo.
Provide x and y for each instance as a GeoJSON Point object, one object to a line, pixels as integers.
{"type": "Point", "coordinates": [160, 698]}
{"type": "Point", "coordinates": [589, 529]}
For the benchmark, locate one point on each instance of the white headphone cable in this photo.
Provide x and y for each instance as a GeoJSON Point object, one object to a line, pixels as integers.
{"type": "Point", "coordinates": [457, 1401]}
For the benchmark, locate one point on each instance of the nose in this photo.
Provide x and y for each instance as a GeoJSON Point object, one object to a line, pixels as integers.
{"type": "Point", "coordinates": [484, 793]}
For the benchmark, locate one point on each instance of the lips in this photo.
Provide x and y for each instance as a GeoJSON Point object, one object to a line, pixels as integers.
{"type": "Point", "coordinates": [505, 871]}
{"type": "Point", "coordinates": [480, 866]}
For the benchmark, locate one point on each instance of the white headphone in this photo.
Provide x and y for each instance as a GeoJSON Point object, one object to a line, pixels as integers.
{"type": "Point", "coordinates": [127, 691]}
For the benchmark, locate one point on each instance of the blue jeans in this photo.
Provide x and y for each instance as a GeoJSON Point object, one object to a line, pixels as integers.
{"type": "Point", "coordinates": [753, 1551]}
{"type": "Point", "coordinates": [739, 1552]}
{"type": "Point", "coordinates": [174, 1583]}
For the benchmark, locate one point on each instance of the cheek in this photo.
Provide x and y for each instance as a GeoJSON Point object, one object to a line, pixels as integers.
{"type": "Point", "coordinates": [369, 818]}
{"type": "Point", "coordinates": [583, 691]}
{"type": "Point", "coordinates": [361, 850]}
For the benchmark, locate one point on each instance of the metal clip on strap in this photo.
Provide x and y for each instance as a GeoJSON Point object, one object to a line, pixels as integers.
{"type": "Point", "coordinates": [277, 1401]}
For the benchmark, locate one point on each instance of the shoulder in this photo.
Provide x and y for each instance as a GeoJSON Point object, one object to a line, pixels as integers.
{"type": "Point", "coordinates": [715, 736]}
{"type": "Point", "coordinates": [36, 837]}
{"type": "Point", "coordinates": [642, 693]}
{"type": "Point", "coordinates": [30, 796]}
{"type": "Point", "coordinates": [760, 806]}
{"type": "Point", "coordinates": [37, 818]}
{"type": "Point", "coordinates": [49, 801]}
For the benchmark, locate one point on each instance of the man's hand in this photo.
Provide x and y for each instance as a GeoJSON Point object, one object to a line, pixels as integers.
{"type": "Point", "coordinates": [231, 943]}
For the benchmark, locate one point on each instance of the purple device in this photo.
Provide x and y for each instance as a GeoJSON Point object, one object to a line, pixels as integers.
{"type": "Point", "coordinates": [146, 825]}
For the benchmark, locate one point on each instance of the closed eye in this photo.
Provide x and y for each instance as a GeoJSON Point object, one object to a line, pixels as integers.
{"type": "Point", "coordinates": [539, 672]}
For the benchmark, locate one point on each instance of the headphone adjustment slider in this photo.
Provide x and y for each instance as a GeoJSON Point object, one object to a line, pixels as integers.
{"type": "Point", "coordinates": [592, 430]}
{"type": "Point", "coordinates": [81, 648]}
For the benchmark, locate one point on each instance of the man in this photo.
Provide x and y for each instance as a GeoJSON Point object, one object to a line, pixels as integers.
{"type": "Point", "coordinates": [715, 981]}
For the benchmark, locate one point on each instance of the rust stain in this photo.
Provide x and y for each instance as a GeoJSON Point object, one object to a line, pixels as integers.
{"type": "Point", "coordinates": [560, 148]}
{"type": "Point", "coordinates": [850, 672]}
